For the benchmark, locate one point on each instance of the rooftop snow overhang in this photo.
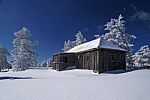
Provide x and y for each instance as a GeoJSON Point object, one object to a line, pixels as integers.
{"type": "Point", "coordinates": [94, 44]}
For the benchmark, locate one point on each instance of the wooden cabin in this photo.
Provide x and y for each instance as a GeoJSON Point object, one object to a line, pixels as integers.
{"type": "Point", "coordinates": [98, 55]}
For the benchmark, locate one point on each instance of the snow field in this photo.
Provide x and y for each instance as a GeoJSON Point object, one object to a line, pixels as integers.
{"type": "Point", "coordinates": [75, 85]}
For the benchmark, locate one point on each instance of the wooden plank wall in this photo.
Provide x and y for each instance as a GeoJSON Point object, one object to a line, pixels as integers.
{"type": "Point", "coordinates": [88, 60]}
{"type": "Point", "coordinates": [63, 60]}
{"type": "Point", "coordinates": [111, 60]}
{"type": "Point", "coordinates": [98, 60]}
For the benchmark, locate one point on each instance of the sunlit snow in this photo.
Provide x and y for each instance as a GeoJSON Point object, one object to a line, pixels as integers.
{"type": "Point", "coordinates": [74, 85]}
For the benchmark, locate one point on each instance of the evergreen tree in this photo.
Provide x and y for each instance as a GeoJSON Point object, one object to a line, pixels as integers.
{"type": "Point", "coordinates": [68, 45]}
{"type": "Point", "coordinates": [117, 35]}
{"type": "Point", "coordinates": [49, 63]}
{"type": "Point", "coordinates": [23, 53]}
{"type": "Point", "coordinates": [44, 64]}
{"type": "Point", "coordinates": [79, 38]}
{"type": "Point", "coordinates": [3, 58]}
{"type": "Point", "coordinates": [142, 57]}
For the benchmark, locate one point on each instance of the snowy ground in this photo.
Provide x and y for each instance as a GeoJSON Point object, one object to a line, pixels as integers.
{"type": "Point", "coordinates": [74, 85]}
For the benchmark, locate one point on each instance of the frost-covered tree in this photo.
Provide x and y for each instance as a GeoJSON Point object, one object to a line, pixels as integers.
{"type": "Point", "coordinates": [49, 63]}
{"type": "Point", "coordinates": [68, 45]}
{"type": "Point", "coordinates": [117, 35]}
{"type": "Point", "coordinates": [3, 58]}
{"type": "Point", "coordinates": [79, 38]}
{"type": "Point", "coordinates": [142, 57]}
{"type": "Point", "coordinates": [44, 64]}
{"type": "Point", "coordinates": [97, 36]}
{"type": "Point", "coordinates": [23, 52]}
{"type": "Point", "coordinates": [38, 65]}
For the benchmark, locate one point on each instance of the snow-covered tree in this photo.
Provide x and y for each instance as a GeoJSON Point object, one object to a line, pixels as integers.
{"type": "Point", "coordinates": [79, 38]}
{"type": "Point", "coordinates": [44, 64]}
{"type": "Point", "coordinates": [117, 35]}
{"type": "Point", "coordinates": [142, 57]}
{"type": "Point", "coordinates": [49, 63]}
{"type": "Point", "coordinates": [97, 36]}
{"type": "Point", "coordinates": [38, 65]}
{"type": "Point", "coordinates": [68, 45]}
{"type": "Point", "coordinates": [3, 58]}
{"type": "Point", "coordinates": [23, 52]}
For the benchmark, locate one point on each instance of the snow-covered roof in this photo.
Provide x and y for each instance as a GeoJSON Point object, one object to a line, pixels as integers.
{"type": "Point", "coordinates": [97, 43]}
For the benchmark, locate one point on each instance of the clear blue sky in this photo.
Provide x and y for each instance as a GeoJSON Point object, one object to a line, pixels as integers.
{"type": "Point", "coordinates": [54, 21]}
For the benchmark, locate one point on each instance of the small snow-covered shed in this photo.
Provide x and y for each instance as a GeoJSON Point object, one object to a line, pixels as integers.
{"type": "Point", "coordinates": [98, 55]}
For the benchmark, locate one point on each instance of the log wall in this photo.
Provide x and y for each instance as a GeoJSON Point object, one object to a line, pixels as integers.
{"type": "Point", "coordinates": [98, 60]}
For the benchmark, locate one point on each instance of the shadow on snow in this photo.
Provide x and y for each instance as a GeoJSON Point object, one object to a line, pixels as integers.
{"type": "Point", "coordinates": [14, 78]}
{"type": "Point", "coordinates": [120, 71]}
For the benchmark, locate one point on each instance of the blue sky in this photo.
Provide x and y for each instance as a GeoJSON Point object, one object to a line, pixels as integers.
{"type": "Point", "coordinates": [54, 21]}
